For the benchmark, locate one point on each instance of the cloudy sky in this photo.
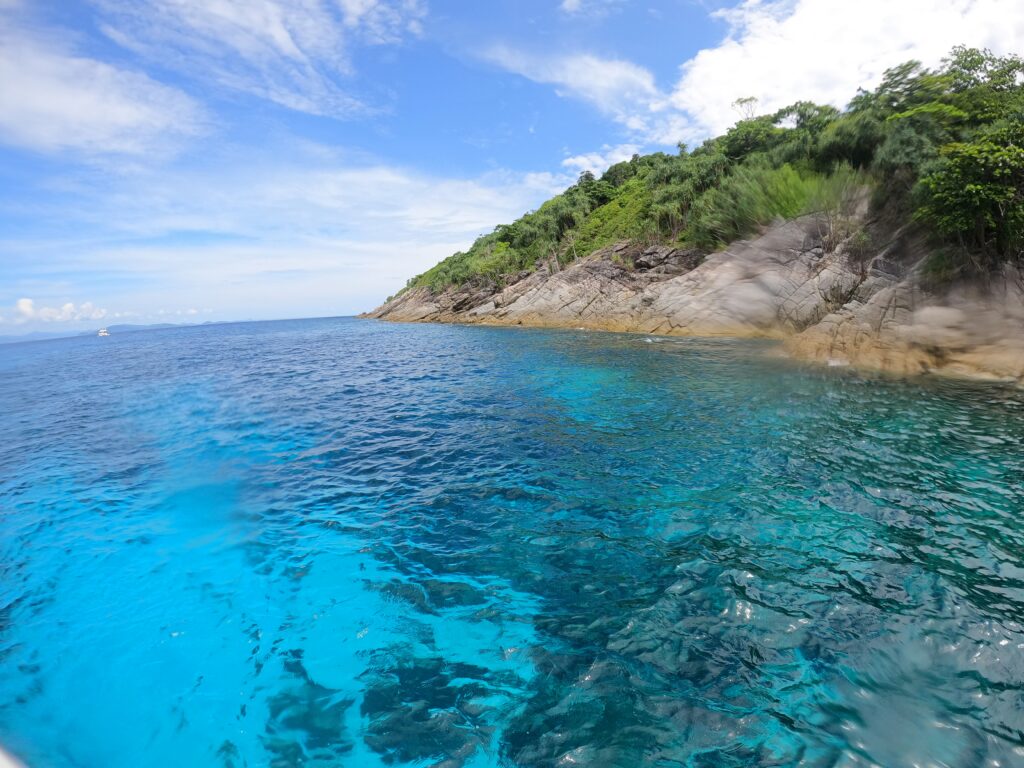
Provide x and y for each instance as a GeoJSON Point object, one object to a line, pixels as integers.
{"type": "Point", "coordinates": [175, 160]}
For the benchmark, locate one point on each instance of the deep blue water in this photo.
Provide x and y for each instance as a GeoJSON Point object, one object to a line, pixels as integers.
{"type": "Point", "coordinates": [348, 543]}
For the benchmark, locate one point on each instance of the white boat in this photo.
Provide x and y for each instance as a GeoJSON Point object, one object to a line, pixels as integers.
{"type": "Point", "coordinates": [103, 332]}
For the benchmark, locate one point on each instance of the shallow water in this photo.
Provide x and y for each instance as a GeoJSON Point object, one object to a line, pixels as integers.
{"type": "Point", "coordinates": [341, 542]}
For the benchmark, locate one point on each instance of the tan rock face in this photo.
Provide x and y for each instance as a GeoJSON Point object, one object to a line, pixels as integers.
{"type": "Point", "coordinates": [970, 330]}
{"type": "Point", "coordinates": [871, 311]}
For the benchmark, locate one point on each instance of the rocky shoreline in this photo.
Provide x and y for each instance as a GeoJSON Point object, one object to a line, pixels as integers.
{"type": "Point", "coordinates": [863, 300]}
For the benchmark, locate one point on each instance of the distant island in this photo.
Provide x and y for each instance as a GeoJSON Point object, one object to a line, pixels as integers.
{"type": "Point", "coordinates": [888, 235]}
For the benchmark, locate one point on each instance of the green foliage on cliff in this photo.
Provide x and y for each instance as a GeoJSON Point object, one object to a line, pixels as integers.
{"type": "Point", "coordinates": [945, 146]}
{"type": "Point", "coordinates": [751, 196]}
{"type": "Point", "coordinates": [624, 217]}
{"type": "Point", "coordinates": [975, 191]}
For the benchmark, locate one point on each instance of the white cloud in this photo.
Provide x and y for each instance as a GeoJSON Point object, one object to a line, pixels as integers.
{"type": "Point", "coordinates": [285, 201]}
{"type": "Point", "coordinates": [823, 50]}
{"type": "Point", "coordinates": [52, 99]}
{"type": "Point", "coordinates": [778, 52]}
{"type": "Point", "coordinates": [27, 311]}
{"type": "Point", "coordinates": [623, 90]}
{"type": "Point", "coordinates": [599, 162]}
{"type": "Point", "coordinates": [293, 52]}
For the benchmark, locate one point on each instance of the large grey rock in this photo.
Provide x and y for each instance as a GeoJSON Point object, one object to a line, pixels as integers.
{"type": "Point", "coordinates": [873, 311]}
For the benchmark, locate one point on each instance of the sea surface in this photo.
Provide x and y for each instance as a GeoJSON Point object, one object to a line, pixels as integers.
{"type": "Point", "coordinates": [350, 543]}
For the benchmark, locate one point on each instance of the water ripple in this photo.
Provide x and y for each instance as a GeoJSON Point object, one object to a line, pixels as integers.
{"type": "Point", "coordinates": [322, 543]}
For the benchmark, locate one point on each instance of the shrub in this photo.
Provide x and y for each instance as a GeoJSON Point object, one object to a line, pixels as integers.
{"type": "Point", "coordinates": [975, 192]}
{"type": "Point", "coordinates": [851, 139]}
{"type": "Point", "coordinates": [749, 198]}
{"type": "Point", "coordinates": [625, 217]}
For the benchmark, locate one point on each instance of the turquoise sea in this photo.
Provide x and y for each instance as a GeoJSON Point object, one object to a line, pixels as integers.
{"type": "Point", "coordinates": [349, 543]}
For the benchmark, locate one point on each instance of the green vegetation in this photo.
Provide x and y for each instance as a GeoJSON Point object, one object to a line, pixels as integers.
{"type": "Point", "coordinates": [623, 217]}
{"type": "Point", "coordinates": [755, 194]}
{"type": "Point", "coordinates": [944, 146]}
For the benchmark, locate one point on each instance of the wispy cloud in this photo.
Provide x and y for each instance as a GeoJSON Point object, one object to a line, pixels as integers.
{"type": "Point", "coordinates": [620, 89]}
{"type": "Point", "coordinates": [259, 239]}
{"type": "Point", "coordinates": [592, 8]}
{"type": "Point", "coordinates": [55, 99]}
{"type": "Point", "coordinates": [384, 21]}
{"type": "Point", "coordinates": [296, 53]}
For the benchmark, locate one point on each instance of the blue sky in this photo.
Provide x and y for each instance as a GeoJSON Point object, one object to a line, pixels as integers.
{"type": "Point", "coordinates": [190, 160]}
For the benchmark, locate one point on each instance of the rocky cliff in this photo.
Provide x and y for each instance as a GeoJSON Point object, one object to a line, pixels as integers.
{"type": "Point", "coordinates": [863, 301]}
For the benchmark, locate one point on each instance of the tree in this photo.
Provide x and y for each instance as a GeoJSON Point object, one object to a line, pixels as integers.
{"type": "Point", "coordinates": [852, 138]}
{"type": "Point", "coordinates": [903, 153]}
{"type": "Point", "coordinates": [968, 68]}
{"type": "Point", "coordinates": [981, 86]}
{"type": "Point", "coordinates": [804, 123]}
{"type": "Point", "coordinates": [747, 136]}
{"type": "Point", "coordinates": [747, 107]}
{"type": "Point", "coordinates": [903, 87]}
{"type": "Point", "coordinates": [620, 173]}
{"type": "Point", "coordinates": [975, 192]}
